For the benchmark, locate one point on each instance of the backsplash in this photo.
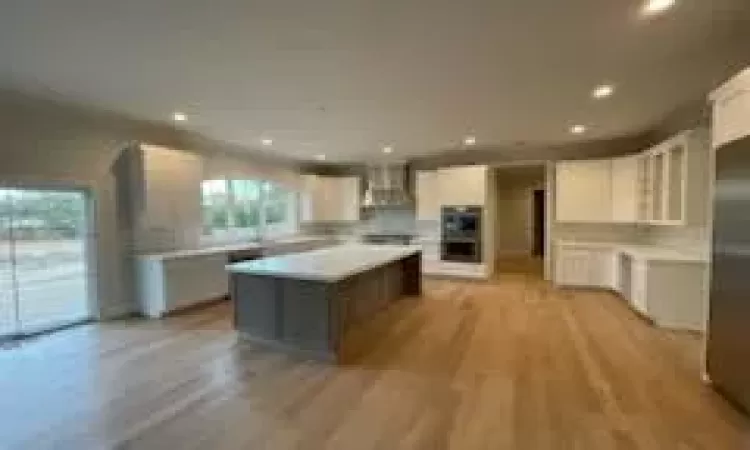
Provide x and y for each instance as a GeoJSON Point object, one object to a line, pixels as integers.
{"type": "Point", "coordinates": [389, 221]}
{"type": "Point", "coordinates": [376, 221]}
{"type": "Point", "coordinates": [678, 237]}
{"type": "Point", "coordinates": [598, 232]}
{"type": "Point", "coordinates": [684, 238]}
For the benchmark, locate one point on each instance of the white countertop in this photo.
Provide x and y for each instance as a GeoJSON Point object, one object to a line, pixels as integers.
{"type": "Point", "coordinates": [224, 249]}
{"type": "Point", "coordinates": [328, 264]}
{"type": "Point", "coordinates": [640, 251]}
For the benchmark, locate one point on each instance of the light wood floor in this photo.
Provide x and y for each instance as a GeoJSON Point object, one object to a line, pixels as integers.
{"type": "Point", "coordinates": [511, 364]}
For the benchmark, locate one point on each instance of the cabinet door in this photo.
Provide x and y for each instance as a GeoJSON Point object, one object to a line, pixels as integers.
{"type": "Point", "coordinates": [583, 191]}
{"type": "Point", "coordinates": [573, 267]}
{"type": "Point", "coordinates": [601, 267]}
{"type": "Point", "coordinates": [625, 187]}
{"type": "Point", "coordinates": [428, 203]}
{"type": "Point", "coordinates": [463, 185]}
{"type": "Point", "coordinates": [731, 115]}
{"type": "Point", "coordinates": [345, 201]}
{"type": "Point", "coordinates": [638, 287]}
{"type": "Point", "coordinates": [314, 206]}
{"type": "Point", "coordinates": [171, 192]}
{"type": "Point", "coordinates": [675, 185]}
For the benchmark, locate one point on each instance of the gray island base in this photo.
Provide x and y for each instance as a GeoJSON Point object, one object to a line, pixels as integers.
{"type": "Point", "coordinates": [304, 303]}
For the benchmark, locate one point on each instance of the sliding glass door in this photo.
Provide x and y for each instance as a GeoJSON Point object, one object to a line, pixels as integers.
{"type": "Point", "coordinates": [43, 260]}
{"type": "Point", "coordinates": [8, 309]}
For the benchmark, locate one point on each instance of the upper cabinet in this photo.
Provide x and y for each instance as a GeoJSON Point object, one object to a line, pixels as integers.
{"type": "Point", "coordinates": [666, 185]}
{"type": "Point", "coordinates": [162, 188]}
{"type": "Point", "coordinates": [466, 185]}
{"type": "Point", "coordinates": [731, 110]}
{"type": "Point", "coordinates": [626, 182]}
{"type": "Point", "coordinates": [583, 191]}
{"type": "Point", "coordinates": [675, 181]}
{"type": "Point", "coordinates": [330, 199]}
{"type": "Point", "coordinates": [427, 195]}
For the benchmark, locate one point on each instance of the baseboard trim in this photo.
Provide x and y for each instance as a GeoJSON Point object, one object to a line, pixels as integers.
{"type": "Point", "coordinates": [117, 313]}
{"type": "Point", "coordinates": [187, 309]}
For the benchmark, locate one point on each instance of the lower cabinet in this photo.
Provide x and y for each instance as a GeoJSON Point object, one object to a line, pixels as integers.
{"type": "Point", "coordinates": [672, 293]}
{"type": "Point", "coordinates": [166, 285]}
{"type": "Point", "coordinates": [585, 267]}
{"type": "Point", "coordinates": [169, 284]}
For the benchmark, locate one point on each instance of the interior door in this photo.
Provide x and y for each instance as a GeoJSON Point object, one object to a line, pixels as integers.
{"type": "Point", "coordinates": [48, 261]}
{"type": "Point", "coordinates": [539, 222]}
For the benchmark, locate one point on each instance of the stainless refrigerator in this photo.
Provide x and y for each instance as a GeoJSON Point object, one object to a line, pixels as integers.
{"type": "Point", "coordinates": [728, 341]}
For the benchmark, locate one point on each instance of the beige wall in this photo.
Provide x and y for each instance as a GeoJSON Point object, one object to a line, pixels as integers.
{"type": "Point", "coordinates": [51, 143]}
{"type": "Point", "coordinates": [514, 224]}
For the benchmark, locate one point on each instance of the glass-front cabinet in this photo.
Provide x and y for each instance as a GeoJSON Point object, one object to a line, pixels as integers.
{"type": "Point", "coordinates": [674, 181]}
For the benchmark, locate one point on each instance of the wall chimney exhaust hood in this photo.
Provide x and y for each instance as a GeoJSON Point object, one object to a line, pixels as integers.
{"type": "Point", "coordinates": [387, 187]}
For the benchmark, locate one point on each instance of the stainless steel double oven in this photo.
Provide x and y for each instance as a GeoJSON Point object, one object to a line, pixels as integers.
{"type": "Point", "coordinates": [461, 234]}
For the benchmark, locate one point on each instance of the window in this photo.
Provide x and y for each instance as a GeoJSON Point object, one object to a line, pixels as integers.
{"type": "Point", "coordinates": [247, 208]}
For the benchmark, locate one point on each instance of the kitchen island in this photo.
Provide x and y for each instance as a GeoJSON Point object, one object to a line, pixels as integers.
{"type": "Point", "coordinates": [305, 302]}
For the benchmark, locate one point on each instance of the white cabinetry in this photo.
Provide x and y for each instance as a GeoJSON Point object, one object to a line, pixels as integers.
{"type": "Point", "coordinates": [164, 191]}
{"type": "Point", "coordinates": [177, 280]}
{"type": "Point", "coordinates": [330, 199]}
{"type": "Point", "coordinates": [666, 185]}
{"type": "Point", "coordinates": [675, 177]}
{"type": "Point", "coordinates": [625, 189]}
{"type": "Point", "coordinates": [348, 198]}
{"type": "Point", "coordinates": [583, 191]}
{"type": "Point", "coordinates": [581, 266]}
{"type": "Point", "coordinates": [663, 285]}
{"type": "Point", "coordinates": [462, 185]}
{"type": "Point", "coordinates": [166, 285]}
{"type": "Point", "coordinates": [428, 195]}
{"type": "Point", "coordinates": [731, 110]}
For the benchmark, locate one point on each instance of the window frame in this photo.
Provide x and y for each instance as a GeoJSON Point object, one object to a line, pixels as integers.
{"type": "Point", "coordinates": [263, 230]}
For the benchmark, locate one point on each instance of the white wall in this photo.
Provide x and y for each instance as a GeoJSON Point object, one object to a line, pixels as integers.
{"type": "Point", "coordinates": [44, 142]}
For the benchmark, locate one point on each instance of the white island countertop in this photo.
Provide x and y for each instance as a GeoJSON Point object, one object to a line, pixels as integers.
{"type": "Point", "coordinates": [328, 264]}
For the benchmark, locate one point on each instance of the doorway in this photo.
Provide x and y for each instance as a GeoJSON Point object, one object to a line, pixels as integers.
{"type": "Point", "coordinates": [43, 260]}
{"type": "Point", "coordinates": [539, 221]}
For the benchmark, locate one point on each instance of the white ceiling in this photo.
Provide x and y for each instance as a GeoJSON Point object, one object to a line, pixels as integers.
{"type": "Point", "coordinates": [345, 77]}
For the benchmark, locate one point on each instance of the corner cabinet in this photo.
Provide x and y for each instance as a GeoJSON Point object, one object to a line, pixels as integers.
{"type": "Point", "coordinates": [731, 110]}
{"type": "Point", "coordinates": [675, 181]}
{"type": "Point", "coordinates": [330, 199]}
{"type": "Point", "coordinates": [584, 267]}
{"type": "Point", "coordinates": [665, 185]}
{"type": "Point", "coordinates": [583, 191]}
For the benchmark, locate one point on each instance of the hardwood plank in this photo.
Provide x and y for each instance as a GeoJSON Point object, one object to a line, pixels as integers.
{"type": "Point", "coordinates": [506, 364]}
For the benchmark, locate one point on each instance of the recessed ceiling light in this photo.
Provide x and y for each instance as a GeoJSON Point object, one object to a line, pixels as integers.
{"type": "Point", "coordinates": [387, 149]}
{"type": "Point", "coordinates": [654, 7]}
{"type": "Point", "coordinates": [470, 140]}
{"type": "Point", "coordinates": [267, 142]}
{"type": "Point", "coordinates": [179, 117]}
{"type": "Point", "coordinates": [320, 157]}
{"type": "Point", "coordinates": [578, 129]}
{"type": "Point", "coordinates": [603, 91]}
